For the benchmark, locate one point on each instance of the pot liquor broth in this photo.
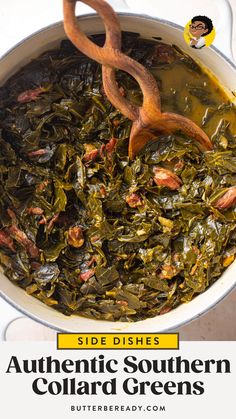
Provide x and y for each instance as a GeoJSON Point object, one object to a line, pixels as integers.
{"type": "Point", "coordinates": [86, 230]}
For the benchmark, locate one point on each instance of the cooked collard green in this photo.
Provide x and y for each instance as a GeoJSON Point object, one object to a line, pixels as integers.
{"type": "Point", "coordinates": [86, 230]}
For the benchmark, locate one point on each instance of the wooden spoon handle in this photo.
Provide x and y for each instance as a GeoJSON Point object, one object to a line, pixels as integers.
{"type": "Point", "coordinates": [111, 57]}
{"type": "Point", "coordinates": [147, 119]}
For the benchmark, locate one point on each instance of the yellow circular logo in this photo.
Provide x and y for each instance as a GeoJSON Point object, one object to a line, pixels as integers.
{"type": "Point", "coordinates": [199, 32]}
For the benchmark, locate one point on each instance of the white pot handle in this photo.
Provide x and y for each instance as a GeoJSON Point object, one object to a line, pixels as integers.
{"type": "Point", "coordinates": [225, 28]}
{"type": "Point", "coordinates": [169, 10]}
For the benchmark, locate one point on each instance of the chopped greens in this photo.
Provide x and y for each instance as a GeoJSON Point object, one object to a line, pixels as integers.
{"type": "Point", "coordinates": [89, 232]}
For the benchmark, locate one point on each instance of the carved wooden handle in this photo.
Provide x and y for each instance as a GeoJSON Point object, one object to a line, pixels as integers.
{"type": "Point", "coordinates": [111, 57]}
{"type": "Point", "coordinates": [147, 119]}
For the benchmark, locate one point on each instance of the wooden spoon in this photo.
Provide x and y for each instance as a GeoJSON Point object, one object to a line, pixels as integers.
{"type": "Point", "coordinates": [148, 120]}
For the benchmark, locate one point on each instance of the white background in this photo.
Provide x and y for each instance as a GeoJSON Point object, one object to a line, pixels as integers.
{"type": "Point", "coordinates": [19, 401]}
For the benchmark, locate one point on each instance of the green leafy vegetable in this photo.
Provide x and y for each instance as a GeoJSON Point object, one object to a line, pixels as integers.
{"type": "Point", "coordinates": [89, 232]}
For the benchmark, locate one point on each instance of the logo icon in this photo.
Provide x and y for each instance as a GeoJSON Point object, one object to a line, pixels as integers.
{"type": "Point", "coordinates": [199, 32]}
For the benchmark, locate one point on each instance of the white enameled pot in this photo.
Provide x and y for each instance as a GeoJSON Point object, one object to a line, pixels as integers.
{"type": "Point", "coordinates": [223, 69]}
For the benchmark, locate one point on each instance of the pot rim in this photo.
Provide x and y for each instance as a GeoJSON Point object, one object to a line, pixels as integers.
{"type": "Point", "coordinates": [59, 329]}
{"type": "Point", "coordinates": [88, 15]}
{"type": "Point", "coordinates": [222, 295]}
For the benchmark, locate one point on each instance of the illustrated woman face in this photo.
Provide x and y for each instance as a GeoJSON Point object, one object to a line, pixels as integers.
{"type": "Point", "coordinates": [198, 29]}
